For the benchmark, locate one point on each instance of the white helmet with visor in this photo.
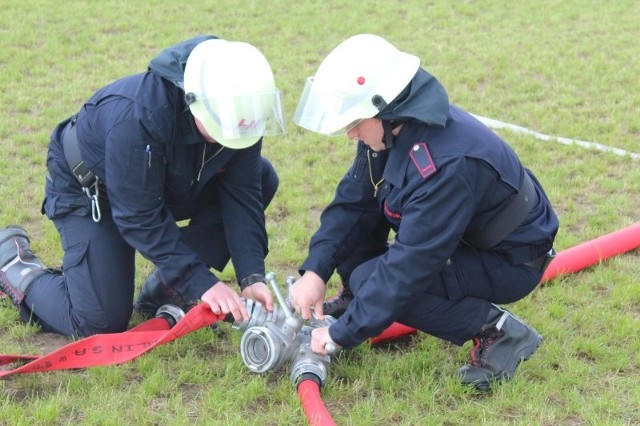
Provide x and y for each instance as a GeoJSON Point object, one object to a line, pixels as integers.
{"type": "Point", "coordinates": [230, 89]}
{"type": "Point", "coordinates": [355, 81]}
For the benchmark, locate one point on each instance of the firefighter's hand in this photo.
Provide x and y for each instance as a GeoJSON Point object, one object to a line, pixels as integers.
{"type": "Point", "coordinates": [307, 295]}
{"type": "Point", "coordinates": [260, 293]}
{"type": "Point", "coordinates": [222, 299]}
{"type": "Point", "coordinates": [321, 342]}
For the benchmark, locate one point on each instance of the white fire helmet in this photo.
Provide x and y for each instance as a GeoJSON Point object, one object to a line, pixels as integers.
{"type": "Point", "coordinates": [354, 82]}
{"type": "Point", "coordinates": [230, 89]}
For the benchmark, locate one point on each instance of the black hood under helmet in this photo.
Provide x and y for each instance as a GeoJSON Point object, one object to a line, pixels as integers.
{"type": "Point", "coordinates": [171, 62]}
{"type": "Point", "coordinates": [424, 99]}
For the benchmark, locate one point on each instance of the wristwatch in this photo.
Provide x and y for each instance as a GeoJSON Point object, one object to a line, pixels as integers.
{"type": "Point", "coordinates": [251, 279]}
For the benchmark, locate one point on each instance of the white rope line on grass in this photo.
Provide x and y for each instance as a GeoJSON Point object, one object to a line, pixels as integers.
{"type": "Point", "coordinates": [495, 124]}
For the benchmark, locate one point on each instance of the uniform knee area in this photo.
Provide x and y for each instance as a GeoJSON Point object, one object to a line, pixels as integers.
{"type": "Point", "coordinates": [106, 324]}
{"type": "Point", "coordinates": [361, 274]}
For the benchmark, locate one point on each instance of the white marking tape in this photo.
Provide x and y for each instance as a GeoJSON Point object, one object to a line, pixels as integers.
{"type": "Point", "coordinates": [495, 124]}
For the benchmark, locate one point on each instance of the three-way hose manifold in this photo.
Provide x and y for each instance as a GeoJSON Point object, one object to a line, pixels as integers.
{"type": "Point", "coordinates": [271, 339]}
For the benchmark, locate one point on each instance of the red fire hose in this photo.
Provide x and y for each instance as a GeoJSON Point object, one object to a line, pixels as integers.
{"type": "Point", "coordinates": [591, 252]}
{"type": "Point", "coordinates": [111, 349]}
{"type": "Point", "coordinates": [311, 400]}
{"type": "Point", "coordinates": [566, 261]}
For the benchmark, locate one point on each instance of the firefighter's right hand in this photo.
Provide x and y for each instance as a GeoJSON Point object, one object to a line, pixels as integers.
{"type": "Point", "coordinates": [307, 295]}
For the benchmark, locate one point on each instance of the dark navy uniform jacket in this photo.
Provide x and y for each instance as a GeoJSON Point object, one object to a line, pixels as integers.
{"type": "Point", "coordinates": [440, 182]}
{"type": "Point", "coordinates": [139, 137]}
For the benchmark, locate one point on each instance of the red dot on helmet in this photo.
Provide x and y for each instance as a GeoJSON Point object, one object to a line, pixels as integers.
{"type": "Point", "coordinates": [360, 81]}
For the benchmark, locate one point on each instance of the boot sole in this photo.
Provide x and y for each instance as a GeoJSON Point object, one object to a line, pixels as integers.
{"type": "Point", "coordinates": [12, 231]}
{"type": "Point", "coordinates": [6, 234]}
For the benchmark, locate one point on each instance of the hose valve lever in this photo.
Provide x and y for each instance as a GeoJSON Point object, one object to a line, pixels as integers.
{"type": "Point", "coordinates": [330, 348]}
{"type": "Point", "coordinates": [271, 278]}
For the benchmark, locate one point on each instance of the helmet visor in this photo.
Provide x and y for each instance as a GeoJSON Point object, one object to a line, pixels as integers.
{"type": "Point", "coordinates": [326, 112]}
{"type": "Point", "coordinates": [229, 118]}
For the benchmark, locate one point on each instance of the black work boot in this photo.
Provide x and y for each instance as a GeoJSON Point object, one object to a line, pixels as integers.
{"type": "Point", "coordinates": [155, 293]}
{"type": "Point", "coordinates": [338, 304]}
{"type": "Point", "coordinates": [19, 267]}
{"type": "Point", "coordinates": [503, 342]}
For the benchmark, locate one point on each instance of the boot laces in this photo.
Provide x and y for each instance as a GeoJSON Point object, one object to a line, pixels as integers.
{"type": "Point", "coordinates": [482, 342]}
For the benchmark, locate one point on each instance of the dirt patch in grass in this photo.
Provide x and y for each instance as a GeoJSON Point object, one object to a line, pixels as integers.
{"type": "Point", "coordinates": [48, 342]}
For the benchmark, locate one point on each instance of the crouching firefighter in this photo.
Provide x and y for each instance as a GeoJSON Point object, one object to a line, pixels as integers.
{"type": "Point", "coordinates": [473, 227]}
{"type": "Point", "coordinates": [166, 163]}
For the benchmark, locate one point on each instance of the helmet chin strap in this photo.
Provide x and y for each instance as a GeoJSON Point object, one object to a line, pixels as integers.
{"type": "Point", "coordinates": [388, 137]}
{"type": "Point", "coordinates": [387, 125]}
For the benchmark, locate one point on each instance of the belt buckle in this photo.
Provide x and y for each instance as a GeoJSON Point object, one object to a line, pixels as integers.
{"type": "Point", "coordinates": [548, 257]}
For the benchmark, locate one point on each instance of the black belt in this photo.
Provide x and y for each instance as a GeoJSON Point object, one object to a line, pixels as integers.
{"type": "Point", "coordinates": [543, 261]}
{"type": "Point", "coordinates": [507, 220]}
{"type": "Point", "coordinates": [89, 182]}
{"type": "Point", "coordinates": [71, 150]}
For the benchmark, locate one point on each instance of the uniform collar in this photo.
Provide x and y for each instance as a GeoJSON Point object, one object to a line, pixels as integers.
{"type": "Point", "coordinates": [398, 158]}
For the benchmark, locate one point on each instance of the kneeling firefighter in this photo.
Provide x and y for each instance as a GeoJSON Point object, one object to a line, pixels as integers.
{"type": "Point", "coordinates": [473, 227]}
{"type": "Point", "coordinates": [179, 142]}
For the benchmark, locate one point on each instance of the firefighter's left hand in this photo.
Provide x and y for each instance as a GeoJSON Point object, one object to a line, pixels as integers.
{"type": "Point", "coordinates": [260, 293]}
{"type": "Point", "coordinates": [320, 338]}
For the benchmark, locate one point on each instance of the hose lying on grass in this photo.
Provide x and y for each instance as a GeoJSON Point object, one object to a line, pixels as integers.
{"type": "Point", "coordinates": [311, 400]}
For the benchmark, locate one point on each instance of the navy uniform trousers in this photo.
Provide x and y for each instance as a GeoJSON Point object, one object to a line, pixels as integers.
{"type": "Point", "coordinates": [457, 300]}
{"type": "Point", "coordinates": [95, 294]}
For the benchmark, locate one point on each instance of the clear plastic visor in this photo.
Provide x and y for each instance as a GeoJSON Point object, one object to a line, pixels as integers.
{"type": "Point", "coordinates": [244, 116]}
{"type": "Point", "coordinates": [326, 112]}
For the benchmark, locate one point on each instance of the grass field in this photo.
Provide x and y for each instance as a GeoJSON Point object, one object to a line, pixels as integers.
{"type": "Point", "coordinates": [564, 68]}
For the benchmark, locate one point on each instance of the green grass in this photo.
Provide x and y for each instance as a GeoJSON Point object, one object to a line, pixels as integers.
{"type": "Point", "coordinates": [564, 68]}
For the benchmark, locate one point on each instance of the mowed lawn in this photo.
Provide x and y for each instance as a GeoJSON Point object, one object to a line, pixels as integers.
{"type": "Point", "coordinates": [561, 68]}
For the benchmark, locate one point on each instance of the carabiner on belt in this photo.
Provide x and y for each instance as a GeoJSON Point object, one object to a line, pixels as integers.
{"type": "Point", "coordinates": [95, 201]}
